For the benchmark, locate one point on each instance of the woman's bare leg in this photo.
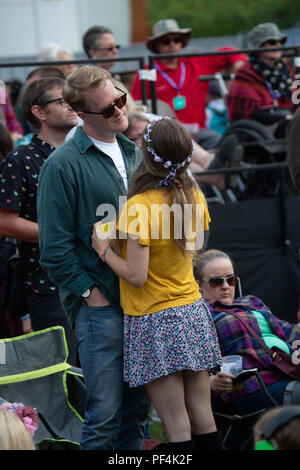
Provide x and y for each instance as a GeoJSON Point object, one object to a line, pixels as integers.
{"type": "Point", "coordinates": [198, 401]}
{"type": "Point", "coordinates": [167, 397]}
{"type": "Point", "coordinates": [201, 160]}
{"type": "Point", "coordinates": [217, 179]}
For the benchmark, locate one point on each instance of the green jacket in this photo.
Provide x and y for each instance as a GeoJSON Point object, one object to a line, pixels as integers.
{"type": "Point", "coordinates": [74, 181]}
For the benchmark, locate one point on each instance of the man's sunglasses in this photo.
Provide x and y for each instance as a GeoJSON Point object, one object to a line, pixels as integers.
{"type": "Point", "coordinates": [272, 42]}
{"type": "Point", "coordinates": [167, 41]}
{"type": "Point", "coordinates": [109, 111]}
{"type": "Point", "coordinates": [218, 281]}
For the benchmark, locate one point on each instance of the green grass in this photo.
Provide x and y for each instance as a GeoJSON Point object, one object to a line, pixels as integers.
{"type": "Point", "coordinates": [156, 431]}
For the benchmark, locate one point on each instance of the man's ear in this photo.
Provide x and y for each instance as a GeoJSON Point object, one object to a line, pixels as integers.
{"type": "Point", "coordinates": [38, 112]}
{"type": "Point", "coordinates": [91, 54]}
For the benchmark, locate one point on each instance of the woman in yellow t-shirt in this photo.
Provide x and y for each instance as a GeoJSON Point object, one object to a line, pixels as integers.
{"type": "Point", "coordinates": [170, 342]}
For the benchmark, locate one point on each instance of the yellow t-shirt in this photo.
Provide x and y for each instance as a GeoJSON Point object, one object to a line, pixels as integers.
{"type": "Point", "coordinates": [170, 279]}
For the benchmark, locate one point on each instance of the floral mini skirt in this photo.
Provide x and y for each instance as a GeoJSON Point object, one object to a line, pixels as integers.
{"type": "Point", "coordinates": [168, 341]}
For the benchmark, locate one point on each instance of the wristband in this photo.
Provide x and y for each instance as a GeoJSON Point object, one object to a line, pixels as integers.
{"type": "Point", "coordinates": [25, 317]}
{"type": "Point", "coordinates": [103, 252]}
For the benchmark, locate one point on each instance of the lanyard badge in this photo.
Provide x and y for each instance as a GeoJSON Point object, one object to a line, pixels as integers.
{"type": "Point", "coordinates": [179, 101]}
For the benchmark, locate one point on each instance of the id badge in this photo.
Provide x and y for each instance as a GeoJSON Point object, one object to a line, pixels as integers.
{"type": "Point", "coordinates": [179, 102]}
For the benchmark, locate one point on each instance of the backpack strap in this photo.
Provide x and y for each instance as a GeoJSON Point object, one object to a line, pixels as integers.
{"type": "Point", "coordinates": [287, 394]}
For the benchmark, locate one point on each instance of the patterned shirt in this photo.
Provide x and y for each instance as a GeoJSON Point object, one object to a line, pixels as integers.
{"type": "Point", "coordinates": [235, 339]}
{"type": "Point", "coordinates": [18, 189]}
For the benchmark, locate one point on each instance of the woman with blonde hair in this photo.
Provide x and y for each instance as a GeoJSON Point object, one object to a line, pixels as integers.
{"type": "Point", "coordinates": [18, 424]}
{"type": "Point", "coordinates": [214, 271]}
{"type": "Point", "coordinates": [170, 341]}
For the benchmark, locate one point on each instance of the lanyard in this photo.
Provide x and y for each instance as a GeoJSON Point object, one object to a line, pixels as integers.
{"type": "Point", "coordinates": [170, 80]}
{"type": "Point", "coordinates": [272, 92]}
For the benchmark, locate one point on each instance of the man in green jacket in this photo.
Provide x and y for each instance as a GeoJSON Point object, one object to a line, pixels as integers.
{"type": "Point", "coordinates": [85, 174]}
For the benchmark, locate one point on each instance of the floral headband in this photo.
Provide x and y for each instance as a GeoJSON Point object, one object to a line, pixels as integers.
{"type": "Point", "coordinates": [28, 415]}
{"type": "Point", "coordinates": [167, 164]}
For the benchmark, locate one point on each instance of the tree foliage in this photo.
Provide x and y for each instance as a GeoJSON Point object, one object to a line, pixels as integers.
{"type": "Point", "coordinates": [222, 18]}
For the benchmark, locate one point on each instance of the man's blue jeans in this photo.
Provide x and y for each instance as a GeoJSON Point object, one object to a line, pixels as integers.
{"type": "Point", "coordinates": [115, 414]}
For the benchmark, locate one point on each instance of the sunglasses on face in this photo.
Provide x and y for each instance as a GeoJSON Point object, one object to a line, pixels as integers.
{"type": "Point", "coordinates": [167, 41]}
{"type": "Point", "coordinates": [60, 100]}
{"type": "Point", "coordinates": [272, 42]}
{"type": "Point", "coordinates": [218, 281]}
{"type": "Point", "coordinates": [109, 111]}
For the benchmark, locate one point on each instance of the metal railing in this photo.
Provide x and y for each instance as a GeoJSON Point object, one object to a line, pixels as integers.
{"type": "Point", "coordinates": [139, 59]}
{"type": "Point", "coordinates": [290, 51]}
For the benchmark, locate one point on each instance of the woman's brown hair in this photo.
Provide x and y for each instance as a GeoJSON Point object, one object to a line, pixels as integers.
{"type": "Point", "coordinates": [172, 142]}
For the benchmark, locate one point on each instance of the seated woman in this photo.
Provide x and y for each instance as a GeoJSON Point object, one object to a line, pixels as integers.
{"type": "Point", "coordinates": [262, 88]}
{"type": "Point", "coordinates": [214, 272]}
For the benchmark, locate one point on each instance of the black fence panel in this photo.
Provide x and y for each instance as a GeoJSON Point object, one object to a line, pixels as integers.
{"type": "Point", "coordinates": [266, 254]}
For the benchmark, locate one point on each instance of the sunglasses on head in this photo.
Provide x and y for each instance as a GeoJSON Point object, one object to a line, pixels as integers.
{"type": "Point", "coordinates": [109, 111]}
{"type": "Point", "coordinates": [167, 41]}
{"type": "Point", "coordinates": [218, 281]}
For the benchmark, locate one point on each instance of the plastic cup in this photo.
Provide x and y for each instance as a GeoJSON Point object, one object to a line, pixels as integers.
{"type": "Point", "coordinates": [105, 227]}
{"type": "Point", "coordinates": [232, 365]}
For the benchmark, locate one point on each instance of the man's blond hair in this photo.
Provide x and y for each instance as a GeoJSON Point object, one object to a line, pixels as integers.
{"type": "Point", "coordinates": [88, 76]}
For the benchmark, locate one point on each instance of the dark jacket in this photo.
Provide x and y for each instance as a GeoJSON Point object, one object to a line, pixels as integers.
{"type": "Point", "coordinates": [73, 183]}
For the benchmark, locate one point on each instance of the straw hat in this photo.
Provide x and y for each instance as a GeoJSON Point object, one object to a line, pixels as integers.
{"type": "Point", "coordinates": [164, 27]}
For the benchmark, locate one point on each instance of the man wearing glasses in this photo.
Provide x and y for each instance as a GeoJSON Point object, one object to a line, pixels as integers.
{"type": "Point", "coordinates": [99, 43]}
{"type": "Point", "coordinates": [90, 170]}
{"type": "Point", "coordinates": [46, 110]}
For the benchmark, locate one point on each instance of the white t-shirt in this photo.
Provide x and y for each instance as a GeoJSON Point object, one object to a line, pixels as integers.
{"type": "Point", "coordinates": [114, 152]}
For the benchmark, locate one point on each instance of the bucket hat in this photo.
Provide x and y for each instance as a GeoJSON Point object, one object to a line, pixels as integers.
{"type": "Point", "coordinates": [264, 32]}
{"type": "Point", "coordinates": [162, 28]}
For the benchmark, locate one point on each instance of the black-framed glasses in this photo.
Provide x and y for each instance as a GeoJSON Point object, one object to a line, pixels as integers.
{"type": "Point", "coordinates": [167, 41]}
{"type": "Point", "coordinates": [107, 49]}
{"type": "Point", "coordinates": [218, 281]}
{"type": "Point", "coordinates": [60, 100]}
{"type": "Point", "coordinates": [109, 111]}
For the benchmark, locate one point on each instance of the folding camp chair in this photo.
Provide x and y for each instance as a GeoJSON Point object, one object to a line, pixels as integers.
{"type": "Point", "coordinates": [34, 371]}
{"type": "Point", "coordinates": [237, 430]}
